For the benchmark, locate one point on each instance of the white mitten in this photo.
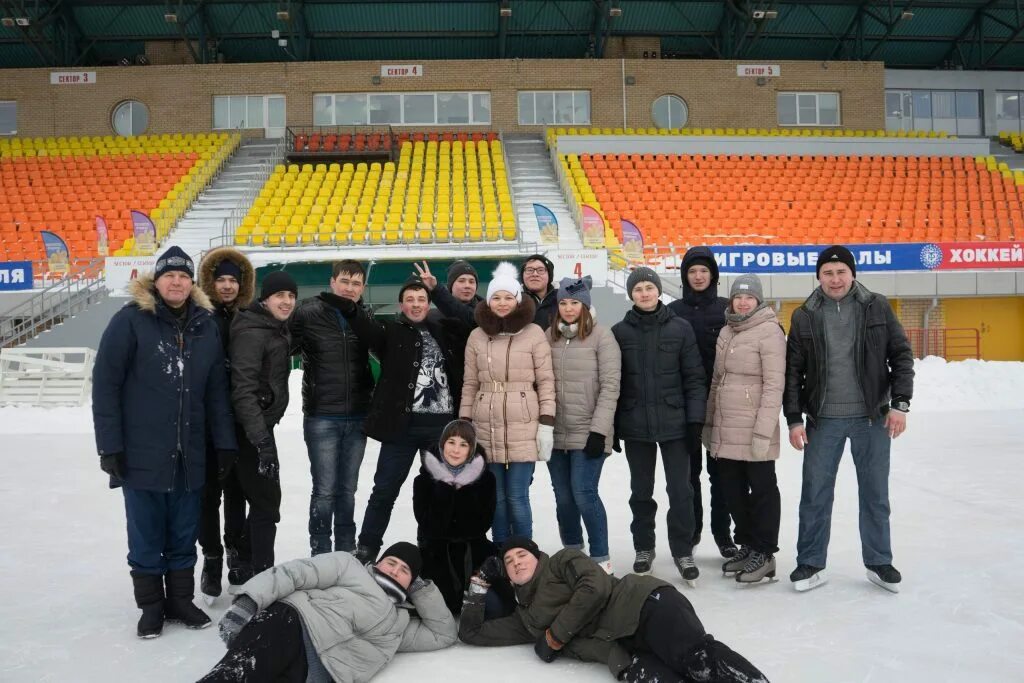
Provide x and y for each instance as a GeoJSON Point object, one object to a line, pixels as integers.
{"type": "Point", "coordinates": [545, 442]}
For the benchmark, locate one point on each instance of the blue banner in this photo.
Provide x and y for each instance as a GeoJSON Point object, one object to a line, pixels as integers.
{"type": "Point", "coordinates": [804, 258]}
{"type": "Point", "coordinates": [15, 275]}
{"type": "Point", "coordinates": [547, 224]}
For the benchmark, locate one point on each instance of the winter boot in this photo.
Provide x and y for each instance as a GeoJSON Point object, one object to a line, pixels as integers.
{"type": "Point", "coordinates": [210, 580]}
{"type": "Point", "coordinates": [885, 576]}
{"type": "Point", "coordinates": [726, 548]}
{"type": "Point", "coordinates": [365, 553]}
{"type": "Point", "coordinates": [687, 569]}
{"type": "Point", "coordinates": [644, 560]}
{"type": "Point", "coordinates": [759, 567]}
{"type": "Point", "coordinates": [149, 596]}
{"type": "Point", "coordinates": [805, 577]}
{"type": "Point", "coordinates": [181, 588]}
{"type": "Point", "coordinates": [736, 564]}
{"type": "Point", "coordinates": [715, 662]}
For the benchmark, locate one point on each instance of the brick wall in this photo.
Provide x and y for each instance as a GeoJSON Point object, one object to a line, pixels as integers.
{"type": "Point", "coordinates": [179, 96]}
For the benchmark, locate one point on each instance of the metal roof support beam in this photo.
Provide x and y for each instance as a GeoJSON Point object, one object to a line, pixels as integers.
{"type": "Point", "coordinates": [857, 22]}
{"type": "Point", "coordinates": [33, 33]}
{"type": "Point", "coordinates": [503, 28]}
{"type": "Point", "coordinates": [1003, 45]}
{"type": "Point", "coordinates": [600, 17]}
{"type": "Point", "coordinates": [972, 26]}
{"type": "Point", "coordinates": [890, 27]}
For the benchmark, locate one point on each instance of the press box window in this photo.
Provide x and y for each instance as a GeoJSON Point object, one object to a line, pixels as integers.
{"type": "Point", "coordinates": [559, 107]}
{"type": "Point", "coordinates": [402, 109]}
{"type": "Point", "coordinates": [8, 118]}
{"type": "Point", "coordinates": [808, 108]}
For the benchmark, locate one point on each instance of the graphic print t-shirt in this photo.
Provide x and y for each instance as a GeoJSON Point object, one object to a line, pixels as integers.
{"type": "Point", "coordinates": [433, 395]}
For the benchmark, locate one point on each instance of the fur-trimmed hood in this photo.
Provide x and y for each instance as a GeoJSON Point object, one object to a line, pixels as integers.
{"type": "Point", "coordinates": [470, 473]}
{"type": "Point", "coordinates": [246, 287]}
{"type": "Point", "coordinates": [143, 293]}
{"type": "Point", "coordinates": [511, 324]}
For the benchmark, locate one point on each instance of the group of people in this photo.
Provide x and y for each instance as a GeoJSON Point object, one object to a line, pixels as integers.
{"type": "Point", "coordinates": [478, 391]}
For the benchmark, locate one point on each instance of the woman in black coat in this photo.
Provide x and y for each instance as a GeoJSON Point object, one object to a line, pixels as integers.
{"type": "Point", "coordinates": [453, 499]}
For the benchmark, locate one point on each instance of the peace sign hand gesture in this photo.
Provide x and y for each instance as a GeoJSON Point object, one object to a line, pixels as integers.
{"type": "Point", "coordinates": [424, 272]}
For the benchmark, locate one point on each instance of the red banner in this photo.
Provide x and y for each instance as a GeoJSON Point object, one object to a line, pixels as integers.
{"type": "Point", "coordinates": [975, 255]}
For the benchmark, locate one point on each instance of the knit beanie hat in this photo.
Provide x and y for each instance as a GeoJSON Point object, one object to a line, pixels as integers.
{"type": "Point", "coordinates": [570, 288]}
{"type": "Point", "coordinates": [543, 259]}
{"type": "Point", "coordinates": [836, 254]}
{"type": "Point", "coordinates": [278, 281]}
{"type": "Point", "coordinates": [504, 280]}
{"type": "Point", "coordinates": [227, 267]}
{"type": "Point", "coordinates": [458, 269]}
{"type": "Point", "coordinates": [519, 542]}
{"type": "Point", "coordinates": [173, 259]}
{"type": "Point", "coordinates": [413, 282]}
{"type": "Point", "coordinates": [408, 553]}
{"type": "Point", "coordinates": [642, 274]}
{"type": "Point", "coordinates": [747, 284]}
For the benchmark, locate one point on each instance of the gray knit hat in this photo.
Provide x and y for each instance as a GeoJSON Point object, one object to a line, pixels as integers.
{"type": "Point", "coordinates": [460, 268]}
{"type": "Point", "coordinates": [639, 275]}
{"type": "Point", "coordinates": [747, 284]}
{"type": "Point", "coordinates": [571, 288]}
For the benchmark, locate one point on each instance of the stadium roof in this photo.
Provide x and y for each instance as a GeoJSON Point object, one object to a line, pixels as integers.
{"type": "Point", "coordinates": [969, 34]}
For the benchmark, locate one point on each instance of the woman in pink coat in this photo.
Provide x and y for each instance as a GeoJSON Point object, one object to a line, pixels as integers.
{"type": "Point", "coordinates": [508, 391]}
{"type": "Point", "coordinates": [742, 426]}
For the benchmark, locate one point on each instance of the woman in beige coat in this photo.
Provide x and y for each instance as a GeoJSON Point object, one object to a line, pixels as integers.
{"type": "Point", "coordinates": [508, 391]}
{"type": "Point", "coordinates": [588, 370]}
{"type": "Point", "coordinates": [742, 426]}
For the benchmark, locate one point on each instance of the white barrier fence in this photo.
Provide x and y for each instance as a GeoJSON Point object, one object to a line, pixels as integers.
{"type": "Point", "coordinates": [46, 377]}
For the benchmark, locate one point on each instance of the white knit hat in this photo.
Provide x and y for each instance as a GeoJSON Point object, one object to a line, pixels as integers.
{"type": "Point", "coordinates": [505, 279]}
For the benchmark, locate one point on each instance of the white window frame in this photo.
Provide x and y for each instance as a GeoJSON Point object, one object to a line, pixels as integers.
{"type": "Point", "coordinates": [472, 121]}
{"type": "Point", "coordinates": [670, 97]}
{"type": "Point", "coordinates": [817, 110]}
{"type": "Point", "coordinates": [246, 123]}
{"type": "Point", "coordinates": [131, 120]}
{"type": "Point", "coordinates": [1019, 119]}
{"type": "Point", "coordinates": [13, 106]}
{"type": "Point", "coordinates": [554, 96]}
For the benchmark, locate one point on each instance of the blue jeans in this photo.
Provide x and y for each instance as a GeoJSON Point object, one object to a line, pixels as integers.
{"type": "Point", "coordinates": [869, 443]}
{"type": "Point", "coordinates": [575, 477]}
{"type": "Point", "coordinates": [335, 454]}
{"type": "Point", "coordinates": [162, 528]}
{"type": "Point", "coordinates": [512, 514]}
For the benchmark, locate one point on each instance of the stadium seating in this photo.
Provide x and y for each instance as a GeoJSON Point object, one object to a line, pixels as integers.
{"type": "Point", "coordinates": [438, 191]}
{"type": "Point", "coordinates": [552, 133]}
{"type": "Point", "coordinates": [1012, 139]}
{"type": "Point", "coordinates": [62, 184]}
{"type": "Point", "coordinates": [680, 200]}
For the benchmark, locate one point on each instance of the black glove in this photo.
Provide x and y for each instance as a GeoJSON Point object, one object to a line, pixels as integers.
{"type": "Point", "coordinates": [225, 461]}
{"type": "Point", "coordinates": [693, 433]}
{"type": "Point", "coordinates": [616, 445]}
{"type": "Point", "coordinates": [491, 570]}
{"type": "Point", "coordinates": [595, 445]}
{"type": "Point", "coordinates": [269, 466]}
{"type": "Point", "coordinates": [543, 647]}
{"type": "Point", "coordinates": [113, 464]}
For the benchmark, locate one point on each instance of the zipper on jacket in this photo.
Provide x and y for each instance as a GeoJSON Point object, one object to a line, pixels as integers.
{"type": "Point", "coordinates": [508, 360]}
{"type": "Point", "coordinates": [180, 453]}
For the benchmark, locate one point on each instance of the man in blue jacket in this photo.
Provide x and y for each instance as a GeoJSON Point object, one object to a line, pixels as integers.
{"type": "Point", "coordinates": [159, 379]}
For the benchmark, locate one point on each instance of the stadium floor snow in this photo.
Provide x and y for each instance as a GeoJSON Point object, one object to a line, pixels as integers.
{"type": "Point", "coordinates": [67, 612]}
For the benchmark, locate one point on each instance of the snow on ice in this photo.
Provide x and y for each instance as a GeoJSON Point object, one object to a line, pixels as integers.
{"type": "Point", "coordinates": [67, 612]}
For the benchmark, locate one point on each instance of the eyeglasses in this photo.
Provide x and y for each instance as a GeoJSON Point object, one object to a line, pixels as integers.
{"type": "Point", "coordinates": [534, 271]}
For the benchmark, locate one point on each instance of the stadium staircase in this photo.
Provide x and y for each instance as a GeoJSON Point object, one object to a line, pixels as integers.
{"type": "Point", "coordinates": [533, 181]}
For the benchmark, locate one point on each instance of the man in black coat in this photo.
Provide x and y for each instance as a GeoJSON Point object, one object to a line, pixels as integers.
{"type": "Point", "coordinates": [159, 381]}
{"type": "Point", "coordinates": [537, 273]}
{"type": "Point", "coordinates": [705, 311]}
{"type": "Point", "coordinates": [850, 370]}
{"type": "Point", "coordinates": [456, 299]}
{"type": "Point", "coordinates": [663, 396]}
{"type": "Point", "coordinates": [421, 366]}
{"type": "Point", "coordinates": [336, 387]}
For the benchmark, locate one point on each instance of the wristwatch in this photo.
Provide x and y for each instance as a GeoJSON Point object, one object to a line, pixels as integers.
{"type": "Point", "coordinates": [901, 405]}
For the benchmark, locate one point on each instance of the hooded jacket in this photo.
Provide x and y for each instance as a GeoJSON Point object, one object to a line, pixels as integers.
{"type": "Point", "coordinates": [884, 359]}
{"type": "Point", "coordinates": [224, 313]}
{"type": "Point", "coordinates": [705, 311]}
{"type": "Point", "coordinates": [509, 383]}
{"type": "Point", "coordinates": [355, 628]}
{"type": "Point", "coordinates": [260, 366]}
{"type": "Point", "coordinates": [746, 390]}
{"type": "Point", "coordinates": [587, 377]}
{"type": "Point", "coordinates": [156, 387]}
{"type": "Point", "coordinates": [585, 608]}
{"type": "Point", "coordinates": [663, 385]}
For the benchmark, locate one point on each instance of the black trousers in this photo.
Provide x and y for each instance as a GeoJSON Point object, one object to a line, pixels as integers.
{"type": "Point", "coordinates": [752, 494]}
{"type": "Point", "coordinates": [235, 537]}
{"type": "Point", "coordinates": [264, 498]}
{"type": "Point", "coordinates": [642, 458]}
{"type": "Point", "coordinates": [721, 527]}
{"type": "Point", "coordinates": [670, 645]}
{"type": "Point", "coordinates": [269, 648]}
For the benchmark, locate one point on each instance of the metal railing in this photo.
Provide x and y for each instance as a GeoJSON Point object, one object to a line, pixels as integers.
{"type": "Point", "coordinates": [951, 343]}
{"type": "Point", "coordinates": [511, 190]}
{"type": "Point", "coordinates": [53, 305]}
{"type": "Point", "coordinates": [230, 224]}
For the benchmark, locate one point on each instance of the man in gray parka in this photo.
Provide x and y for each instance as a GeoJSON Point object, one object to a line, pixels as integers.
{"type": "Point", "coordinates": [329, 618]}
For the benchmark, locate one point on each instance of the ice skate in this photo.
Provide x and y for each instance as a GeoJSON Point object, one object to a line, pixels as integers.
{"type": "Point", "coordinates": [210, 579]}
{"type": "Point", "coordinates": [642, 563]}
{"type": "Point", "coordinates": [760, 568]}
{"type": "Point", "coordinates": [885, 576]}
{"type": "Point", "coordinates": [805, 577]}
{"type": "Point", "coordinates": [687, 569]}
{"type": "Point", "coordinates": [735, 565]}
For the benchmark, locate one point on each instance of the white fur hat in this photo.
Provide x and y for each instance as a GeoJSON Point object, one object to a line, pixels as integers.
{"type": "Point", "coordinates": [505, 279]}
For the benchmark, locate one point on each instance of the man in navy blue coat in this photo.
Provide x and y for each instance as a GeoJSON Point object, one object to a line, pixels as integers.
{"type": "Point", "coordinates": [159, 380]}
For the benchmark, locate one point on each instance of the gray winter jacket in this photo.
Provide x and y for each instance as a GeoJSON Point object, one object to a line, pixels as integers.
{"type": "Point", "coordinates": [354, 626]}
{"type": "Point", "coordinates": [587, 375]}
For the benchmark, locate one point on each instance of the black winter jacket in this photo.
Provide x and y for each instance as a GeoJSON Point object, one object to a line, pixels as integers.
{"type": "Point", "coordinates": [885, 361]}
{"type": "Point", "coordinates": [450, 307]}
{"type": "Point", "coordinates": [336, 377]}
{"type": "Point", "coordinates": [663, 386]}
{"type": "Point", "coordinates": [545, 307]}
{"type": "Point", "coordinates": [705, 311]}
{"type": "Point", "coordinates": [398, 346]}
{"type": "Point", "coordinates": [260, 365]}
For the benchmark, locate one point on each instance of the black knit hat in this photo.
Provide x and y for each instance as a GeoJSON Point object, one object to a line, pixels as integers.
{"type": "Point", "coordinates": [174, 259]}
{"type": "Point", "coordinates": [227, 267]}
{"type": "Point", "coordinates": [836, 254]}
{"type": "Point", "coordinates": [543, 259]}
{"type": "Point", "coordinates": [460, 268]}
{"type": "Point", "coordinates": [278, 281]}
{"type": "Point", "coordinates": [413, 282]}
{"type": "Point", "coordinates": [406, 552]}
{"type": "Point", "coordinates": [519, 542]}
